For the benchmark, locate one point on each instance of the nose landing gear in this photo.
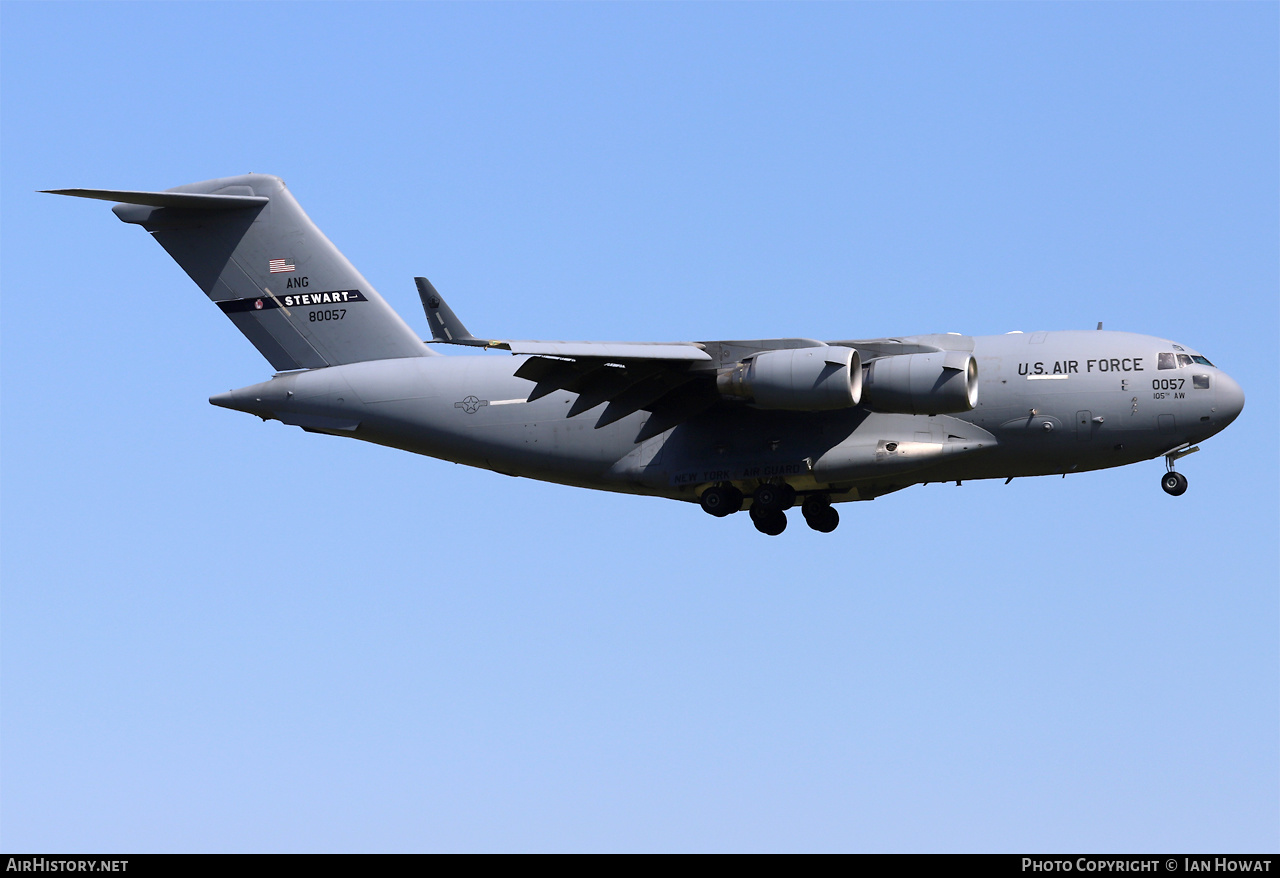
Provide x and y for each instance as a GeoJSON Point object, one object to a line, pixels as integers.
{"type": "Point", "coordinates": [1175, 483]}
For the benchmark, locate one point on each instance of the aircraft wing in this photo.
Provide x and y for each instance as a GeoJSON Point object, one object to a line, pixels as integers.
{"type": "Point", "coordinates": [672, 380]}
{"type": "Point", "coordinates": [875, 348]}
{"type": "Point", "coordinates": [613, 351]}
{"type": "Point", "coordinates": [446, 328]}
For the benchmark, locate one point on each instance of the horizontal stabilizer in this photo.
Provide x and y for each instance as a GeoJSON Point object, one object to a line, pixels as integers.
{"type": "Point", "coordinates": [190, 200]}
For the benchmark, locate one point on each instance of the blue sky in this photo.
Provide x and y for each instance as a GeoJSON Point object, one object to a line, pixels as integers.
{"type": "Point", "coordinates": [220, 634]}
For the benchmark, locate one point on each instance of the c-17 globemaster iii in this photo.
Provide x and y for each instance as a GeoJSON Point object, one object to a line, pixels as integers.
{"type": "Point", "coordinates": [759, 424]}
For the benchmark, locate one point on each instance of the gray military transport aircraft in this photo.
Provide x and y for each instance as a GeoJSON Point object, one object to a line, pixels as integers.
{"type": "Point", "coordinates": [762, 424]}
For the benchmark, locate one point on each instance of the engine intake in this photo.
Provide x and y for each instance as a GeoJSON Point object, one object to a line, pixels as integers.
{"type": "Point", "coordinates": [939, 383]}
{"type": "Point", "coordinates": [799, 380]}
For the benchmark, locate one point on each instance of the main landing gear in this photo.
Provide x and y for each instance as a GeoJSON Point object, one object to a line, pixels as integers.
{"type": "Point", "coordinates": [721, 500]}
{"type": "Point", "coordinates": [769, 505]}
{"type": "Point", "coordinates": [1175, 483]}
{"type": "Point", "coordinates": [820, 514]}
{"type": "Point", "coordinates": [768, 508]}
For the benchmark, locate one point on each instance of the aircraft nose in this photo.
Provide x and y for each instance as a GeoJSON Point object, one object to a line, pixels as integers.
{"type": "Point", "coordinates": [1229, 399]}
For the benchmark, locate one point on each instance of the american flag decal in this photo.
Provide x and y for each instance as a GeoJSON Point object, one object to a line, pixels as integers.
{"type": "Point", "coordinates": [276, 265]}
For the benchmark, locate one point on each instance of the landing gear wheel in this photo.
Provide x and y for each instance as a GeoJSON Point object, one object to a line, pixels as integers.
{"type": "Point", "coordinates": [773, 497]}
{"type": "Point", "coordinates": [825, 521]}
{"type": "Point", "coordinates": [721, 500]}
{"type": "Point", "coordinates": [769, 522]}
{"type": "Point", "coordinates": [819, 514]}
{"type": "Point", "coordinates": [1174, 483]}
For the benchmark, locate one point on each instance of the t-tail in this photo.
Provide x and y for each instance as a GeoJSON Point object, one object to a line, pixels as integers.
{"type": "Point", "coordinates": [251, 248]}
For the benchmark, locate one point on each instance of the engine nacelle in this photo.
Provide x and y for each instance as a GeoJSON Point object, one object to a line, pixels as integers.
{"type": "Point", "coordinates": [798, 380]}
{"type": "Point", "coordinates": [922, 384]}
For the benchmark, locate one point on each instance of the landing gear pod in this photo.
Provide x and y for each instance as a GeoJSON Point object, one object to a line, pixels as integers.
{"type": "Point", "coordinates": [802, 380]}
{"type": "Point", "coordinates": [922, 384]}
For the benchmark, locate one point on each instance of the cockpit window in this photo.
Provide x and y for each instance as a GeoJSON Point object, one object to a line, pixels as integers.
{"type": "Point", "coordinates": [1200, 382]}
{"type": "Point", "coordinates": [1177, 361]}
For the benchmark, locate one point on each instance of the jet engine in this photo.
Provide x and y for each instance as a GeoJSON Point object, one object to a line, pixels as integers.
{"type": "Point", "coordinates": [800, 380]}
{"type": "Point", "coordinates": [922, 384]}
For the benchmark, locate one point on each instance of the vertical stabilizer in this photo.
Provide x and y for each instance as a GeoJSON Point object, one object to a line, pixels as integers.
{"type": "Point", "coordinates": [252, 250]}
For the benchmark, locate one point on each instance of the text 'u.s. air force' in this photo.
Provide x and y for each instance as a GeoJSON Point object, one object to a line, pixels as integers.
{"type": "Point", "coordinates": [1072, 367]}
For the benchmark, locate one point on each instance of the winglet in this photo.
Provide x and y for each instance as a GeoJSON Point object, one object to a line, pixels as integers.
{"type": "Point", "coordinates": [445, 325]}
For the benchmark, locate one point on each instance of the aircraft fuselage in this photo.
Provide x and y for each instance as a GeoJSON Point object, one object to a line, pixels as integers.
{"type": "Point", "coordinates": [1048, 403]}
